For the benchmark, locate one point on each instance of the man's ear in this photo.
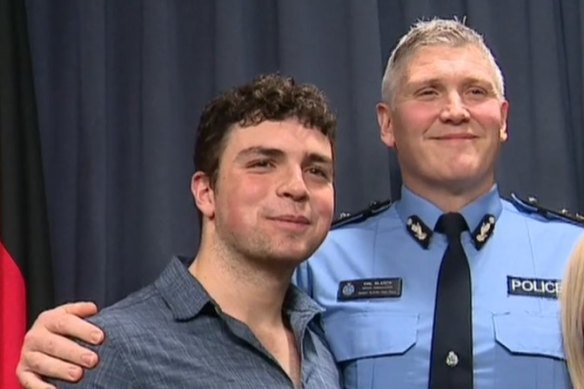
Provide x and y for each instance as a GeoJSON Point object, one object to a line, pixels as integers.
{"type": "Point", "coordinates": [503, 134]}
{"type": "Point", "coordinates": [385, 122]}
{"type": "Point", "coordinates": [203, 194]}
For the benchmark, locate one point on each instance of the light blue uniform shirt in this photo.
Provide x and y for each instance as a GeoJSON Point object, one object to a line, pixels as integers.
{"type": "Point", "coordinates": [383, 343]}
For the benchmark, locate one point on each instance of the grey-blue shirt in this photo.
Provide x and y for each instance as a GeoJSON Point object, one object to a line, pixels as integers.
{"type": "Point", "coordinates": [171, 334]}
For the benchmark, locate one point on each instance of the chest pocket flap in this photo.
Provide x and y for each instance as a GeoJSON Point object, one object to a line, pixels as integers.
{"type": "Point", "coordinates": [530, 334]}
{"type": "Point", "coordinates": [357, 335]}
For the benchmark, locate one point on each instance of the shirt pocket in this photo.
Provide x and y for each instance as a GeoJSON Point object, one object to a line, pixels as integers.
{"type": "Point", "coordinates": [529, 352]}
{"type": "Point", "coordinates": [529, 334]}
{"type": "Point", "coordinates": [358, 335]}
{"type": "Point", "coordinates": [364, 342]}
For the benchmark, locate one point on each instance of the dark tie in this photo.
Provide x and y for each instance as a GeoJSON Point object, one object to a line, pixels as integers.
{"type": "Point", "coordinates": [451, 362]}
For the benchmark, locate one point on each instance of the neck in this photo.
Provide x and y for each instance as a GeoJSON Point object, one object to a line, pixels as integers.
{"type": "Point", "coordinates": [450, 198]}
{"type": "Point", "coordinates": [246, 290]}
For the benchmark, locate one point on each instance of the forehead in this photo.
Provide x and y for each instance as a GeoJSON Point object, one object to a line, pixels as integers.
{"type": "Point", "coordinates": [288, 135]}
{"type": "Point", "coordinates": [442, 61]}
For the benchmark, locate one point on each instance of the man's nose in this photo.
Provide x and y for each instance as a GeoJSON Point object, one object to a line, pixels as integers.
{"type": "Point", "coordinates": [454, 109]}
{"type": "Point", "coordinates": [293, 185]}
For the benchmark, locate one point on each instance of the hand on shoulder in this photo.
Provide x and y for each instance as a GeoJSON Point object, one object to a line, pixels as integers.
{"type": "Point", "coordinates": [50, 350]}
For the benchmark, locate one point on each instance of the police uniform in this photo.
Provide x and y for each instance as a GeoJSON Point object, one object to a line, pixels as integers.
{"type": "Point", "coordinates": [377, 277]}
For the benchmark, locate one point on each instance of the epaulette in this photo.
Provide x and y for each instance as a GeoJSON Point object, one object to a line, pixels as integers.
{"type": "Point", "coordinates": [374, 208]}
{"type": "Point", "coordinates": [531, 206]}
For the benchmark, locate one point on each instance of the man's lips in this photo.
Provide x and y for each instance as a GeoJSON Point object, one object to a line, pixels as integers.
{"type": "Point", "coordinates": [461, 136]}
{"type": "Point", "coordinates": [297, 219]}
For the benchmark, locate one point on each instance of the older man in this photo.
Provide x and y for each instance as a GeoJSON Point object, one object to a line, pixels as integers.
{"type": "Point", "coordinates": [452, 286]}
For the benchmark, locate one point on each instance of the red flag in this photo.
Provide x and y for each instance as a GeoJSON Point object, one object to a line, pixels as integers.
{"type": "Point", "coordinates": [25, 268]}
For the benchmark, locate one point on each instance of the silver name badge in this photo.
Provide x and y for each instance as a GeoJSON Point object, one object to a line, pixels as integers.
{"type": "Point", "coordinates": [369, 288]}
{"type": "Point", "coordinates": [535, 287]}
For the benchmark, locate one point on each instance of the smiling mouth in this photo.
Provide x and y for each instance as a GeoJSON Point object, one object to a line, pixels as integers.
{"type": "Point", "coordinates": [456, 137]}
{"type": "Point", "coordinates": [301, 220]}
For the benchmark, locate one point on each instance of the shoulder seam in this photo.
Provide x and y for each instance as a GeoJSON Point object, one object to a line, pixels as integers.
{"type": "Point", "coordinates": [374, 208]}
{"type": "Point", "coordinates": [531, 206]}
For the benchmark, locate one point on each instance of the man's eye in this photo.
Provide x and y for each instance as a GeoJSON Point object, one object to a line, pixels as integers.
{"type": "Point", "coordinates": [318, 172]}
{"type": "Point", "coordinates": [261, 163]}
{"type": "Point", "coordinates": [477, 91]}
{"type": "Point", "coordinates": [427, 92]}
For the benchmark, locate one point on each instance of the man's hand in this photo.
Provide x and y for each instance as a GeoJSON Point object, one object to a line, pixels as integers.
{"type": "Point", "coordinates": [47, 351]}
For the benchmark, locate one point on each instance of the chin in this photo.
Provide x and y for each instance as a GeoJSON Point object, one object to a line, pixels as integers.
{"type": "Point", "coordinates": [462, 183]}
{"type": "Point", "coordinates": [461, 172]}
{"type": "Point", "coordinates": [292, 254]}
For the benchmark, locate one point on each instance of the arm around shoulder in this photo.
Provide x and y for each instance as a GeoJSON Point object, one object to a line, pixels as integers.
{"type": "Point", "coordinates": [114, 370]}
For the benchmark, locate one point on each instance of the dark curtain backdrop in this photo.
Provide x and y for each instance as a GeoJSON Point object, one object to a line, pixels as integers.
{"type": "Point", "coordinates": [120, 85]}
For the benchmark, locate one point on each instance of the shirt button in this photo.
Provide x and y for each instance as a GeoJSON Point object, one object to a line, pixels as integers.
{"type": "Point", "coordinates": [451, 359]}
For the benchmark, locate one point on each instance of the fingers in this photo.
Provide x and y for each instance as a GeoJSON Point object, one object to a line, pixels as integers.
{"type": "Point", "coordinates": [32, 381]}
{"type": "Point", "coordinates": [43, 365]}
{"type": "Point", "coordinates": [68, 320]}
{"type": "Point", "coordinates": [49, 350]}
{"type": "Point", "coordinates": [43, 349]}
{"type": "Point", "coordinates": [47, 366]}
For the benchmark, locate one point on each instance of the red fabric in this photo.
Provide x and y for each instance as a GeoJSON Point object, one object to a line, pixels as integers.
{"type": "Point", "coordinates": [25, 265]}
{"type": "Point", "coordinates": [12, 318]}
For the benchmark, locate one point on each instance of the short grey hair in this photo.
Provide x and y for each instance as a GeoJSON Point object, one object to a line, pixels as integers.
{"type": "Point", "coordinates": [431, 33]}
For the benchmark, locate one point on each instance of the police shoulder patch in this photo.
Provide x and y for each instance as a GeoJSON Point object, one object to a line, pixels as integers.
{"type": "Point", "coordinates": [532, 206]}
{"type": "Point", "coordinates": [374, 208]}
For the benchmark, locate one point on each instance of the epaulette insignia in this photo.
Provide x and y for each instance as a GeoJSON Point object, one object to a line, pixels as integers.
{"type": "Point", "coordinates": [419, 231]}
{"type": "Point", "coordinates": [484, 231]}
{"type": "Point", "coordinates": [531, 205]}
{"type": "Point", "coordinates": [374, 208]}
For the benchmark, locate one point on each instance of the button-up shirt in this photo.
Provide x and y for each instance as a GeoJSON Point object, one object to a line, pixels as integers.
{"type": "Point", "coordinates": [385, 342]}
{"type": "Point", "coordinates": [171, 334]}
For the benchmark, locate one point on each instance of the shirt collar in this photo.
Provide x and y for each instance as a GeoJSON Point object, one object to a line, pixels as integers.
{"type": "Point", "coordinates": [297, 301]}
{"type": "Point", "coordinates": [183, 293]}
{"type": "Point", "coordinates": [186, 297]}
{"type": "Point", "coordinates": [411, 204]}
{"type": "Point", "coordinates": [489, 203]}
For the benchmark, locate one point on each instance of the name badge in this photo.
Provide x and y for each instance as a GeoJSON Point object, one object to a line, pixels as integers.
{"type": "Point", "coordinates": [369, 288]}
{"type": "Point", "coordinates": [535, 287]}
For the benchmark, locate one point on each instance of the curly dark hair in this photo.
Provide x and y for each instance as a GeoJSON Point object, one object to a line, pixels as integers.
{"type": "Point", "coordinates": [268, 97]}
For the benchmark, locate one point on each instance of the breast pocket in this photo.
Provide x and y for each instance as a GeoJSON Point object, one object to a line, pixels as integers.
{"type": "Point", "coordinates": [362, 342]}
{"type": "Point", "coordinates": [530, 352]}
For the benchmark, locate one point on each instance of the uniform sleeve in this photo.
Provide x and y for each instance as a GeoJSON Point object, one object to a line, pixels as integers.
{"type": "Point", "coordinates": [113, 370]}
{"type": "Point", "coordinates": [302, 278]}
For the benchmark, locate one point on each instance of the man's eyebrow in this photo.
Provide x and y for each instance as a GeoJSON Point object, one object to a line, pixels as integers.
{"type": "Point", "coordinates": [259, 150]}
{"type": "Point", "coordinates": [478, 80]}
{"type": "Point", "coordinates": [319, 158]}
{"type": "Point", "coordinates": [277, 153]}
{"type": "Point", "coordinates": [436, 81]}
{"type": "Point", "coordinates": [424, 81]}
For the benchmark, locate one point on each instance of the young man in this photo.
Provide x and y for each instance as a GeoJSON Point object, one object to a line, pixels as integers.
{"type": "Point", "coordinates": [264, 188]}
{"type": "Point", "coordinates": [398, 313]}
